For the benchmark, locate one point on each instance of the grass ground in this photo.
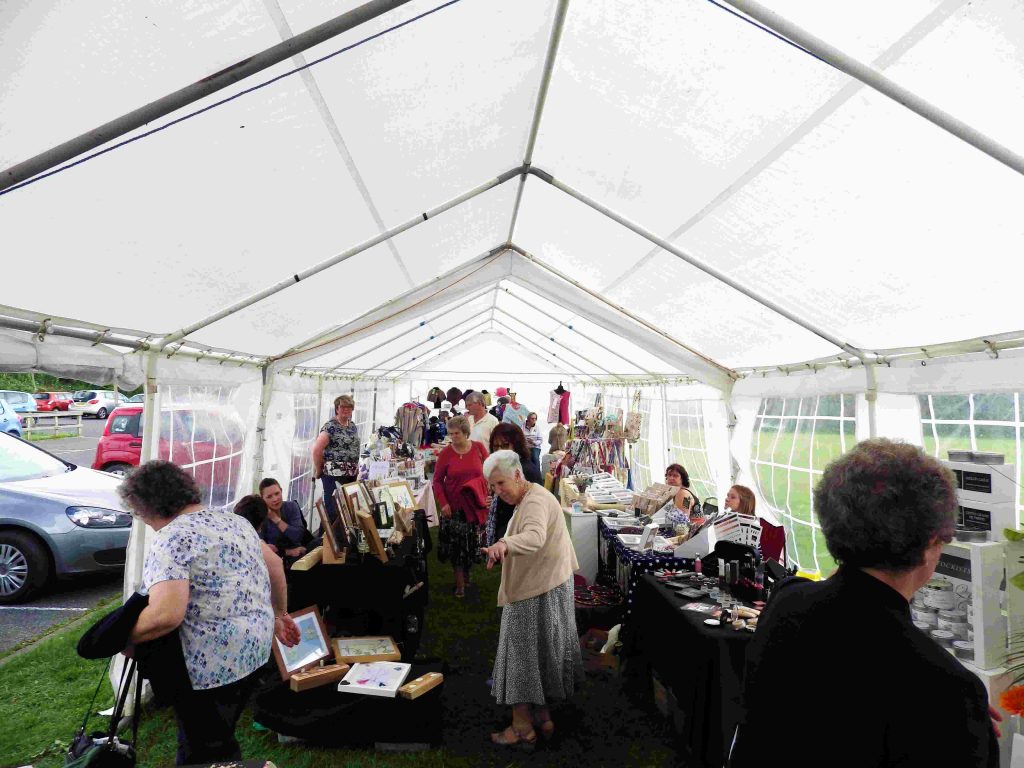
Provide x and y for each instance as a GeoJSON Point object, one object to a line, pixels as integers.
{"type": "Point", "coordinates": [44, 692]}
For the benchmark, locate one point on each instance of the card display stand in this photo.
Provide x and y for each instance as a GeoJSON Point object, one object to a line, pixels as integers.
{"type": "Point", "coordinates": [316, 677]}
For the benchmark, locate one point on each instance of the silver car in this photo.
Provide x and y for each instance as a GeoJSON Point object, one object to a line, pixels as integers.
{"type": "Point", "coordinates": [56, 520]}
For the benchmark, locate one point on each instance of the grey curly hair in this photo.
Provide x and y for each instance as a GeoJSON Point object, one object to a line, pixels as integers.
{"type": "Point", "coordinates": [881, 504]}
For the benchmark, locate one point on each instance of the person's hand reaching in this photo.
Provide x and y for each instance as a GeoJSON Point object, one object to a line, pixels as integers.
{"type": "Point", "coordinates": [286, 630]}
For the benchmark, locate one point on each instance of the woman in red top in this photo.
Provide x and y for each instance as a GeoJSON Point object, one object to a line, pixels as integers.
{"type": "Point", "coordinates": [461, 494]}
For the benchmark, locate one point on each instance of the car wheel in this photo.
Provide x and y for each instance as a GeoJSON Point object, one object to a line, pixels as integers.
{"type": "Point", "coordinates": [24, 566]}
{"type": "Point", "coordinates": [101, 413]}
{"type": "Point", "coordinates": [118, 469]}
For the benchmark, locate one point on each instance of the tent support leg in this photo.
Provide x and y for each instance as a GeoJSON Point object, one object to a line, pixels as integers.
{"type": "Point", "coordinates": [194, 92]}
{"type": "Point", "coordinates": [871, 395]}
{"type": "Point", "coordinates": [261, 425]}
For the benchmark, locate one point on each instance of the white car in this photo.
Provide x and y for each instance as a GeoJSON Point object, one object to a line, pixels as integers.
{"type": "Point", "coordinates": [94, 402]}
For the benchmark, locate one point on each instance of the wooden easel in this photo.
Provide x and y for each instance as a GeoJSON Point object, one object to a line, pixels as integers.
{"type": "Point", "coordinates": [332, 553]}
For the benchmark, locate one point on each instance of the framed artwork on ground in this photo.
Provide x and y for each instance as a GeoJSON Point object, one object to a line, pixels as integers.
{"type": "Point", "coordinates": [313, 645]}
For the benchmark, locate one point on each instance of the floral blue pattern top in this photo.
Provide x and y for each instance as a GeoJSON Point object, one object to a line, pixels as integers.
{"type": "Point", "coordinates": [341, 456]}
{"type": "Point", "coordinates": [229, 622]}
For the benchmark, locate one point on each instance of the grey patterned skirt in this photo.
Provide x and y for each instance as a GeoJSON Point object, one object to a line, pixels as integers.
{"type": "Point", "coordinates": [538, 655]}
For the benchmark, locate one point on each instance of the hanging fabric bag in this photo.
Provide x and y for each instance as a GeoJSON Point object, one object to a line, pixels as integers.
{"type": "Point", "coordinates": [634, 420]}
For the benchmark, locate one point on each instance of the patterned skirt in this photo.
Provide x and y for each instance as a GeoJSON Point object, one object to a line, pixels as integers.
{"type": "Point", "coordinates": [459, 542]}
{"type": "Point", "coordinates": [538, 655]}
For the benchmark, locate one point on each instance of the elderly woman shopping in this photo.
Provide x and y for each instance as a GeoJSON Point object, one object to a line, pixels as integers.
{"type": "Point", "coordinates": [538, 658]}
{"type": "Point", "coordinates": [209, 577]}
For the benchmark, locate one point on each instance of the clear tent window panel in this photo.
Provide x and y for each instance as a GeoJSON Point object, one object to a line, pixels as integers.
{"type": "Point", "coordinates": [975, 422]}
{"type": "Point", "coordinates": [794, 440]}
{"type": "Point", "coordinates": [300, 485]}
{"type": "Point", "coordinates": [643, 473]}
{"type": "Point", "coordinates": [687, 445]}
{"type": "Point", "coordinates": [202, 432]}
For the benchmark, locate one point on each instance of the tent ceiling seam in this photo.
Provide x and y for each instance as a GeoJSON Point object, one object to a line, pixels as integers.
{"type": "Point", "coordinates": [558, 343]}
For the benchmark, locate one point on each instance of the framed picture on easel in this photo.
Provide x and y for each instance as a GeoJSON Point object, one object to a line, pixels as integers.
{"type": "Point", "coordinates": [334, 550]}
{"type": "Point", "coordinates": [313, 644]}
{"type": "Point", "coordinates": [356, 499]}
{"type": "Point", "coordinates": [401, 493]}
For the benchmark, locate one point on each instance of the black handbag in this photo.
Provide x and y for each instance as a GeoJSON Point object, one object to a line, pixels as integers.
{"type": "Point", "coordinates": [106, 750]}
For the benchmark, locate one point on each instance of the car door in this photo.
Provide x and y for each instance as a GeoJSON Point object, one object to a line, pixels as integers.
{"type": "Point", "coordinates": [123, 438]}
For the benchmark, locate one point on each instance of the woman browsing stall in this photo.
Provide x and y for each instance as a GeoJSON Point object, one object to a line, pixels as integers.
{"type": "Point", "coordinates": [210, 577]}
{"type": "Point", "coordinates": [461, 495]}
{"type": "Point", "coordinates": [538, 658]}
{"type": "Point", "coordinates": [336, 452]}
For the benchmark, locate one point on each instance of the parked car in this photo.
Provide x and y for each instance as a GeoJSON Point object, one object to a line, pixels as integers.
{"type": "Point", "coordinates": [98, 403]}
{"type": "Point", "coordinates": [10, 422]}
{"type": "Point", "coordinates": [56, 520]}
{"type": "Point", "coordinates": [22, 402]}
{"type": "Point", "coordinates": [208, 441]}
{"type": "Point", "coordinates": [139, 398]}
{"type": "Point", "coordinates": [52, 401]}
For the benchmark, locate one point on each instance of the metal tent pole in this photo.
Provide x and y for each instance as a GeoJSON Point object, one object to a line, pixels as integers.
{"type": "Point", "coordinates": [197, 90]}
{"type": "Point", "coordinates": [343, 256]}
{"type": "Point", "coordinates": [523, 337]}
{"type": "Point", "coordinates": [694, 261]}
{"type": "Point", "coordinates": [266, 392]}
{"type": "Point", "coordinates": [874, 78]}
{"type": "Point", "coordinates": [428, 319]}
{"type": "Point", "coordinates": [560, 344]}
{"type": "Point", "coordinates": [542, 96]}
{"type": "Point", "coordinates": [581, 333]}
{"type": "Point", "coordinates": [415, 346]}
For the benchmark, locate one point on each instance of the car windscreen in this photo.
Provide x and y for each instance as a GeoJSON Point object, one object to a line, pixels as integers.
{"type": "Point", "coordinates": [21, 461]}
{"type": "Point", "coordinates": [84, 395]}
{"type": "Point", "coordinates": [41, 396]}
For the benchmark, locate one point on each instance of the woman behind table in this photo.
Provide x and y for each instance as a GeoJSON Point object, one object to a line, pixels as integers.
{"type": "Point", "coordinates": [538, 658]}
{"type": "Point", "coordinates": [685, 506]}
{"type": "Point", "coordinates": [208, 576]}
{"type": "Point", "coordinates": [460, 490]}
{"type": "Point", "coordinates": [740, 499]}
{"type": "Point", "coordinates": [336, 452]}
{"type": "Point", "coordinates": [509, 437]}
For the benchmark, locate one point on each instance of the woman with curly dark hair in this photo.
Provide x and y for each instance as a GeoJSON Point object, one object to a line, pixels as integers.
{"type": "Point", "coordinates": [209, 578]}
{"type": "Point", "coordinates": [509, 437]}
{"type": "Point", "coordinates": [886, 510]}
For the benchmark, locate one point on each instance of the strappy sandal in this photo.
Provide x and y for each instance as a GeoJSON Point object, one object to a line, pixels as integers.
{"type": "Point", "coordinates": [546, 728]}
{"type": "Point", "coordinates": [513, 739]}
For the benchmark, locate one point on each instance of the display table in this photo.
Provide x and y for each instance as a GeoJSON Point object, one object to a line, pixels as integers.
{"type": "Point", "coordinates": [619, 563]}
{"type": "Point", "coordinates": [425, 501]}
{"type": "Point", "coordinates": [325, 716]}
{"type": "Point", "coordinates": [369, 586]}
{"type": "Point", "coordinates": [583, 532]}
{"type": "Point", "coordinates": [701, 665]}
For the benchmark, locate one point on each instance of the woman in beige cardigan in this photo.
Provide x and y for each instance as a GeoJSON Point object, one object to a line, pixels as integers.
{"type": "Point", "coordinates": [538, 656]}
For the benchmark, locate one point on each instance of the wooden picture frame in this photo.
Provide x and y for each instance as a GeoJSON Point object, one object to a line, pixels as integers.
{"type": "Point", "coordinates": [333, 551]}
{"type": "Point", "coordinates": [381, 494]}
{"type": "Point", "coordinates": [401, 493]}
{"type": "Point", "coordinates": [313, 646]}
{"type": "Point", "coordinates": [345, 513]}
{"type": "Point", "coordinates": [353, 650]}
{"type": "Point", "coordinates": [355, 497]}
{"type": "Point", "coordinates": [372, 537]}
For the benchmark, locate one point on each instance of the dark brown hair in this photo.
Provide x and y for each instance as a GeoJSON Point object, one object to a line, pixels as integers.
{"type": "Point", "coordinates": [159, 489]}
{"type": "Point", "coordinates": [513, 435]}
{"type": "Point", "coordinates": [678, 468]}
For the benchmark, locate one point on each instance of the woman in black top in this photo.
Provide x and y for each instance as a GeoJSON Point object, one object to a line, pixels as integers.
{"type": "Point", "coordinates": [509, 437]}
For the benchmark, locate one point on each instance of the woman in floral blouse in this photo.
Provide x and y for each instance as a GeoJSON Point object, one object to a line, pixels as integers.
{"type": "Point", "coordinates": [336, 452]}
{"type": "Point", "coordinates": [207, 577]}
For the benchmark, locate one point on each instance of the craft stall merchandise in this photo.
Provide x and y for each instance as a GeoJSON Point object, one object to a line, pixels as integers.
{"type": "Point", "coordinates": [360, 681]}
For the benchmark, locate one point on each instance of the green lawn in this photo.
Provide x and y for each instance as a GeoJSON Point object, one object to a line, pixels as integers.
{"type": "Point", "coordinates": [44, 693]}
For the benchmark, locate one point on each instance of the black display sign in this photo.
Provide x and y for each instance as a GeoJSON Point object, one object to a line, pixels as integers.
{"type": "Point", "coordinates": [955, 567]}
{"type": "Point", "coordinates": [980, 482]}
{"type": "Point", "coordinates": [974, 518]}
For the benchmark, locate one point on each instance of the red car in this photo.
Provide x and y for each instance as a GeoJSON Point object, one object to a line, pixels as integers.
{"type": "Point", "coordinates": [52, 401]}
{"type": "Point", "coordinates": [206, 440]}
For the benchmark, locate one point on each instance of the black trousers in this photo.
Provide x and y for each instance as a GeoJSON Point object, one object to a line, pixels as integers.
{"type": "Point", "coordinates": [207, 720]}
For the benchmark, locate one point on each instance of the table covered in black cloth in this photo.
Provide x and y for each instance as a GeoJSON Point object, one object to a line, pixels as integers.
{"type": "Point", "coordinates": [702, 665]}
{"type": "Point", "coordinates": [372, 587]}
{"type": "Point", "coordinates": [326, 716]}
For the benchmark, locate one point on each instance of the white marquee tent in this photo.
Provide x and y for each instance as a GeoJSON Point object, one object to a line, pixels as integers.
{"type": "Point", "coordinates": [787, 228]}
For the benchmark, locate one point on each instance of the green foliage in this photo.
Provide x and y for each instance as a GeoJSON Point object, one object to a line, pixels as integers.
{"type": "Point", "coordinates": [44, 382]}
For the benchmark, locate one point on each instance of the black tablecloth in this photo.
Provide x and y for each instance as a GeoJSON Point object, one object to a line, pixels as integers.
{"type": "Point", "coordinates": [326, 716]}
{"type": "Point", "coordinates": [372, 587]}
{"type": "Point", "coordinates": [703, 666]}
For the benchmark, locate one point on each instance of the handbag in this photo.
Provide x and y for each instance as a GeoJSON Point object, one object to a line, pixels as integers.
{"type": "Point", "coordinates": [106, 750]}
{"type": "Point", "coordinates": [634, 420]}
